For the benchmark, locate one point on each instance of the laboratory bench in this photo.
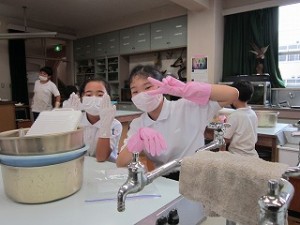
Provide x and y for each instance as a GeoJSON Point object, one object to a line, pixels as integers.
{"type": "Point", "coordinates": [267, 140]}
{"type": "Point", "coordinates": [88, 206]}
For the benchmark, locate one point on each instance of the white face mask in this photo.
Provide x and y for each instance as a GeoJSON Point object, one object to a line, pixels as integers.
{"type": "Point", "coordinates": [145, 102]}
{"type": "Point", "coordinates": [91, 104]}
{"type": "Point", "coordinates": [42, 78]}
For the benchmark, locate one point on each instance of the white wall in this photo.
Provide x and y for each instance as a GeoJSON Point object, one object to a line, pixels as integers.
{"type": "Point", "coordinates": [5, 82]}
{"type": "Point", "coordinates": [205, 37]}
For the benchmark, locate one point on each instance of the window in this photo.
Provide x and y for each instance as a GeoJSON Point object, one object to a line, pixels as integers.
{"type": "Point", "coordinates": [289, 44]}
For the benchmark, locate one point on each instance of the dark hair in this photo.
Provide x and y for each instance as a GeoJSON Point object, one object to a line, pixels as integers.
{"type": "Point", "coordinates": [245, 89]}
{"type": "Point", "coordinates": [47, 70]}
{"type": "Point", "coordinates": [145, 71]}
{"type": "Point", "coordinates": [106, 85]}
{"type": "Point", "coordinates": [69, 90]}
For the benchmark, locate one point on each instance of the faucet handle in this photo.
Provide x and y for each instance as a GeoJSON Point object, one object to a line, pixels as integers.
{"type": "Point", "coordinates": [273, 186]}
{"type": "Point", "coordinates": [218, 125]}
{"type": "Point", "coordinates": [135, 157]}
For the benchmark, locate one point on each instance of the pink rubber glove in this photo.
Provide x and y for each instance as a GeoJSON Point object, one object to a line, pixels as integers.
{"type": "Point", "coordinates": [147, 139]}
{"type": "Point", "coordinates": [196, 92]}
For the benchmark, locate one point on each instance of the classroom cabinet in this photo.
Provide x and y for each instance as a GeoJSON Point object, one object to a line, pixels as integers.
{"type": "Point", "coordinates": [108, 68]}
{"type": "Point", "coordinates": [107, 44]}
{"type": "Point", "coordinates": [115, 70]}
{"type": "Point", "coordinates": [84, 70]}
{"type": "Point", "coordinates": [171, 33]}
{"type": "Point", "coordinates": [84, 48]}
{"type": "Point", "coordinates": [104, 55]}
{"type": "Point", "coordinates": [135, 39]}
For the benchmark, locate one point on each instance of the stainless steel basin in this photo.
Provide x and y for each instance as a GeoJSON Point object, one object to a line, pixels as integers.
{"type": "Point", "coordinates": [14, 142]}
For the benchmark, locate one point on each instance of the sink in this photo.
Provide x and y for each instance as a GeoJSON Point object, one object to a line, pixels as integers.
{"type": "Point", "coordinates": [288, 150]}
{"type": "Point", "coordinates": [288, 133]}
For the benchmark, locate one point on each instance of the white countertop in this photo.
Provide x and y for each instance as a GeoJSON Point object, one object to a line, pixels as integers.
{"type": "Point", "coordinates": [272, 130]}
{"type": "Point", "coordinates": [74, 210]}
{"type": "Point", "coordinates": [127, 113]}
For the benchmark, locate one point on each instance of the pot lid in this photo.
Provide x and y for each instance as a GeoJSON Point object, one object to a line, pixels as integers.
{"type": "Point", "coordinates": [55, 121]}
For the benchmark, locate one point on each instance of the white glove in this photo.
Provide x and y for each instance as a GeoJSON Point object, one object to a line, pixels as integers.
{"type": "Point", "coordinates": [107, 114]}
{"type": "Point", "coordinates": [73, 102]}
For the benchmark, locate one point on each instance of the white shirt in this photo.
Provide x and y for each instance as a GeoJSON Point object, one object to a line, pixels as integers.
{"type": "Point", "coordinates": [42, 98]}
{"type": "Point", "coordinates": [243, 132]}
{"type": "Point", "coordinates": [182, 124]}
{"type": "Point", "coordinates": [91, 136]}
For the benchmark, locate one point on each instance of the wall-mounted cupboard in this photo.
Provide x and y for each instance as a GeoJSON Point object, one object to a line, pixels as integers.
{"type": "Point", "coordinates": [84, 48]}
{"type": "Point", "coordinates": [166, 34]}
{"type": "Point", "coordinates": [107, 44]}
{"type": "Point", "coordinates": [171, 33]}
{"type": "Point", "coordinates": [135, 39]}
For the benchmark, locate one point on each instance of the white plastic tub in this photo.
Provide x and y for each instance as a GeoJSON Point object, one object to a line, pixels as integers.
{"type": "Point", "coordinates": [267, 118]}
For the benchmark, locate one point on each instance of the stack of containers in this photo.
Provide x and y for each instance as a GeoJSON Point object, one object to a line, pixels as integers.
{"type": "Point", "coordinates": [41, 168]}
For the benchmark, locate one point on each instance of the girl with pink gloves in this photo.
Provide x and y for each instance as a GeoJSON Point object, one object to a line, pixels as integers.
{"type": "Point", "coordinates": [176, 128]}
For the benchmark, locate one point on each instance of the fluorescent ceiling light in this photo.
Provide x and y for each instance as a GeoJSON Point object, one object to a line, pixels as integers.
{"type": "Point", "coordinates": [27, 35]}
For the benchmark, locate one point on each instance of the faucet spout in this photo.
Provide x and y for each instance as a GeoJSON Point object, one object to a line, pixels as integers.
{"type": "Point", "coordinates": [212, 145]}
{"type": "Point", "coordinates": [129, 187]}
{"type": "Point", "coordinates": [135, 182]}
{"type": "Point", "coordinates": [218, 141]}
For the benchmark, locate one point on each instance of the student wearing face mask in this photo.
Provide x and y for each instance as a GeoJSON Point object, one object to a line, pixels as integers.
{"type": "Point", "coordinates": [102, 131]}
{"type": "Point", "coordinates": [182, 123]}
{"type": "Point", "coordinates": [43, 90]}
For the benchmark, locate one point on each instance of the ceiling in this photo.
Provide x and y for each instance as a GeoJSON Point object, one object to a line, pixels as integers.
{"type": "Point", "coordinates": [87, 17]}
{"type": "Point", "coordinates": [73, 16]}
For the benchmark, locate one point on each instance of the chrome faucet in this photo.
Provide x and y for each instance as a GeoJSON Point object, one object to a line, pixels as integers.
{"type": "Point", "coordinates": [138, 177]}
{"type": "Point", "coordinates": [218, 141]}
{"type": "Point", "coordinates": [274, 205]}
{"type": "Point", "coordinates": [135, 182]}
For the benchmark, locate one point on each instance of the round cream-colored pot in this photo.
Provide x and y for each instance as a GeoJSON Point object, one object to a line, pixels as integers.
{"type": "Point", "coordinates": [43, 184]}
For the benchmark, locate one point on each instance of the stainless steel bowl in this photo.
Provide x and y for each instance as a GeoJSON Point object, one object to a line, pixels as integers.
{"type": "Point", "coordinates": [43, 184]}
{"type": "Point", "coordinates": [14, 142]}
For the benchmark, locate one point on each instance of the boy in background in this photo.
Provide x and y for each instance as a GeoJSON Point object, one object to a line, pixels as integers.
{"type": "Point", "coordinates": [44, 89]}
{"type": "Point", "coordinates": [242, 135]}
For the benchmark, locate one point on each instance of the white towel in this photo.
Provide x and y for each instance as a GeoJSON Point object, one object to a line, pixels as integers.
{"type": "Point", "coordinates": [228, 184]}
